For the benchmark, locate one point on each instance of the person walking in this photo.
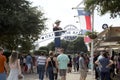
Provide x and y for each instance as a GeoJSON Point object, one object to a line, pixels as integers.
{"type": "Point", "coordinates": [104, 64]}
{"type": "Point", "coordinates": [15, 69]}
{"type": "Point", "coordinates": [29, 63]}
{"type": "Point", "coordinates": [56, 73]}
{"type": "Point", "coordinates": [96, 55]}
{"type": "Point", "coordinates": [69, 64]}
{"type": "Point", "coordinates": [63, 60]}
{"type": "Point", "coordinates": [82, 67]}
{"type": "Point", "coordinates": [51, 65]}
{"type": "Point", "coordinates": [77, 61]}
{"type": "Point", "coordinates": [74, 63]}
{"type": "Point", "coordinates": [3, 65]}
{"type": "Point", "coordinates": [41, 61]}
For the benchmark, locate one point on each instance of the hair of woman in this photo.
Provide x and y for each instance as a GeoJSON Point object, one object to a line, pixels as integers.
{"type": "Point", "coordinates": [13, 57]}
{"type": "Point", "coordinates": [51, 53]}
{"type": "Point", "coordinates": [105, 54]}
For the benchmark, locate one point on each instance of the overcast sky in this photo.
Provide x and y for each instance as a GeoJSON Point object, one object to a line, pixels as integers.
{"type": "Point", "coordinates": [62, 10]}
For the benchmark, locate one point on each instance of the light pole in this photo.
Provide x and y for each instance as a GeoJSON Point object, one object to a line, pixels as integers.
{"type": "Point", "coordinates": [92, 45]}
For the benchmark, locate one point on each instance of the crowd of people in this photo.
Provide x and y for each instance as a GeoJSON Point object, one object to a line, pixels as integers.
{"type": "Point", "coordinates": [50, 66]}
{"type": "Point", "coordinates": [19, 65]}
{"type": "Point", "coordinates": [106, 65]}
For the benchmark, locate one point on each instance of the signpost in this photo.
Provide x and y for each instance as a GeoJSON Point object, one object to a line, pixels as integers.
{"type": "Point", "coordinates": [69, 35]}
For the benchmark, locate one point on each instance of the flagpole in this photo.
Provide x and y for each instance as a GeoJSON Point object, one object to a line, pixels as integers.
{"type": "Point", "coordinates": [92, 45]}
{"type": "Point", "coordinates": [77, 7]}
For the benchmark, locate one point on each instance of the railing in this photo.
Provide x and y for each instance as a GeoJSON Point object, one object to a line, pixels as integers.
{"type": "Point", "coordinates": [64, 33]}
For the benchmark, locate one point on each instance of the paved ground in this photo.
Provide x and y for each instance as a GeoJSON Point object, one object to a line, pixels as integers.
{"type": "Point", "coordinates": [70, 76]}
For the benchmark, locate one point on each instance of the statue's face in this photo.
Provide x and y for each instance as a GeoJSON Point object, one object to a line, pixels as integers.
{"type": "Point", "coordinates": [57, 24]}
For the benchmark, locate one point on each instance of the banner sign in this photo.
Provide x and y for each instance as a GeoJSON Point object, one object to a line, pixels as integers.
{"type": "Point", "coordinates": [71, 30]}
{"type": "Point", "coordinates": [69, 33]}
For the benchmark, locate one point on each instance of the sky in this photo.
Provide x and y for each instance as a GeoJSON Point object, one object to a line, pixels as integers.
{"type": "Point", "coordinates": [62, 10]}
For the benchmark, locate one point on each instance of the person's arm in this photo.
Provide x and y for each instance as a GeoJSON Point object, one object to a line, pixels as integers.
{"type": "Point", "coordinates": [5, 65]}
{"type": "Point", "coordinates": [56, 63]}
{"type": "Point", "coordinates": [110, 63]}
{"type": "Point", "coordinates": [58, 60]}
{"type": "Point", "coordinates": [46, 64]}
{"type": "Point", "coordinates": [53, 25]}
{"type": "Point", "coordinates": [36, 62]}
{"type": "Point", "coordinates": [68, 60]}
{"type": "Point", "coordinates": [19, 67]}
{"type": "Point", "coordinates": [97, 62]}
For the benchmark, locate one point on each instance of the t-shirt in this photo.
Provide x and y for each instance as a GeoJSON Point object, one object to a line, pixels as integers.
{"type": "Point", "coordinates": [2, 61]}
{"type": "Point", "coordinates": [99, 57]}
{"type": "Point", "coordinates": [56, 29]}
{"type": "Point", "coordinates": [28, 59]}
{"type": "Point", "coordinates": [103, 63]}
{"type": "Point", "coordinates": [63, 60]}
{"type": "Point", "coordinates": [82, 63]}
{"type": "Point", "coordinates": [41, 60]}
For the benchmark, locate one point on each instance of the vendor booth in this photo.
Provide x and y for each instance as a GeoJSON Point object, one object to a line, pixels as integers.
{"type": "Point", "coordinates": [109, 38]}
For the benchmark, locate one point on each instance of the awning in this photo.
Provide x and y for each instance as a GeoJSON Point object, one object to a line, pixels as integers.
{"type": "Point", "coordinates": [109, 38]}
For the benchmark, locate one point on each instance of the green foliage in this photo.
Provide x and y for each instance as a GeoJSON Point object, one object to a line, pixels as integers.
{"type": "Point", "coordinates": [51, 46]}
{"type": "Point", "coordinates": [7, 55]}
{"type": "Point", "coordinates": [40, 51]}
{"type": "Point", "coordinates": [44, 48]}
{"type": "Point", "coordinates": [20, 23]}
{"type": "Point", "coordinates": [104, 6]}
{"type": "Point", "coordinates": [71, 47]}
{"type": "Point", "coordinates": [89, 33]}
{"type": "Point", "coordinates": [79, 45]}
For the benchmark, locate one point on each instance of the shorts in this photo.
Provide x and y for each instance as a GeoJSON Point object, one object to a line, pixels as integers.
{"type": "Point", "coordinates": [63, 72]}
{"type": "Point", "coordinates": [83, 73]}
{"type": "Point", "coordinates": [29, 66]}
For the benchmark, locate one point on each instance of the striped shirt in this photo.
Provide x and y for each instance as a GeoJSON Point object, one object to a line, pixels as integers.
{"type": "Point", "coordinates": [41, 60]}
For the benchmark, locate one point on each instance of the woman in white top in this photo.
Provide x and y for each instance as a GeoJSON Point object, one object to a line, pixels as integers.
{"type": "Point", "coordinates": [15, 69]}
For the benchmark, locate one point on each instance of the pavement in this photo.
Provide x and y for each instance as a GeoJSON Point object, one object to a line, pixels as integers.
{"type": "Point", "coordinates": [70, 76]}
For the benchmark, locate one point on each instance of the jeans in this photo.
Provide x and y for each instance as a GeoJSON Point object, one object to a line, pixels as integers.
{"type": "Point", "coordinates": [3, 76]}
{"type": "Point", "coordinates": [96, 73]}
{"type": "Point", "coordinates": [50, 73]}
{"type": "Point", "coordinates": [105, 75]}
{"type": "Point", "coordinates": [41, 71]}
{"type": "Point", "coordinates": [57, 42]}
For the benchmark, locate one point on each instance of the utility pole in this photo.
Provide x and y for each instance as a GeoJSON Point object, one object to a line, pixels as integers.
{"type": "Point", "coordinates": [92, 24]}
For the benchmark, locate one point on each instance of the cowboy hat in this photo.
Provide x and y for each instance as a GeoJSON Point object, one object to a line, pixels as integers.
{"type": "Point", "coordinates": [57, 21]}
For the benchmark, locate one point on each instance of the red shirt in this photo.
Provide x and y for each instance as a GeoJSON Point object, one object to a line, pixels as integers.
{"type": "Point", "coordinates": [2, 61]}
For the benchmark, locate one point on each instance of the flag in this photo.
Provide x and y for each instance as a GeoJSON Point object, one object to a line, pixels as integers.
{"type": "Point", "coordinates": [87, 17]}
{"type": "Point", "coordinates": [88, 23]}
{"type": "Point", "coordinates": [83, 13]}
{"type": "Point", "coordinates": [86, 20]}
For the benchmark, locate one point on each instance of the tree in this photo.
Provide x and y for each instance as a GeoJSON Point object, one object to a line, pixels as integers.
{"type": "Point", "coordinates": [44, 48]}
{"type": "Point", "coordinates": [79, 45]}
{"type": "Point", "coordinates": [104, 6]}
{"type": "Point", "coordinates": [19, 23]}
{"type": "Point", "coordinates": [71, 47]}
{"type": "Point", "coordinates": [51, 46]}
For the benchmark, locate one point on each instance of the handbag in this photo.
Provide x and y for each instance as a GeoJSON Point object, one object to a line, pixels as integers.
{"type": "Point", "coordinates": [20, 76]}
{"type": "Point", "coordinates": [54, 69]}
